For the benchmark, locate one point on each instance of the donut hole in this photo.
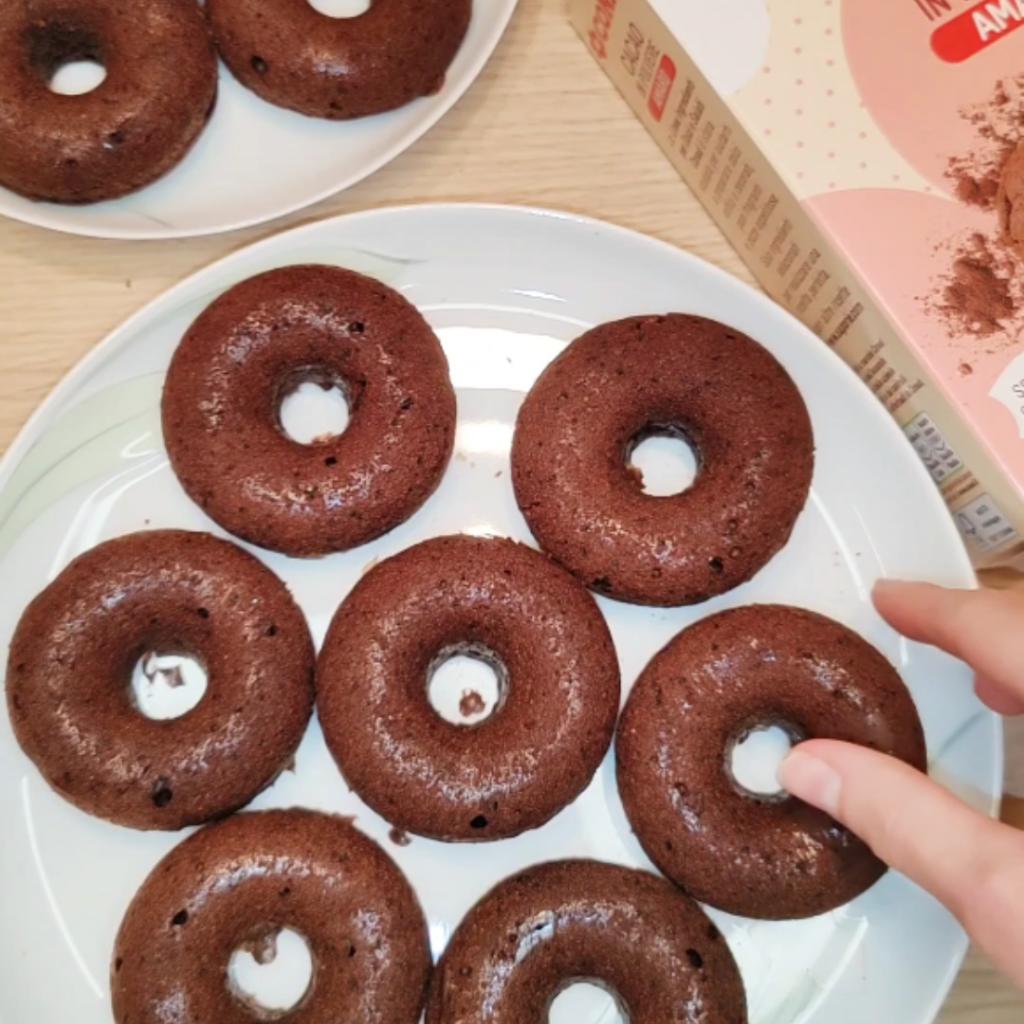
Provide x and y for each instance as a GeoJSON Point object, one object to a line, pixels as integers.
{"type": "Point", "coordinates": [466, 684]}
{"type": "Point", "coordinates": [588, 1000]}
{"type": "Point", "coordinates": [663, 460]}
{"type": "Point", "coordinates": [271, 975]}
{"type": "Point", "coordinates": [341, 8]}
{"type": "Point", "coordinates": [78, 77]}
{"type": "Point", "coordinates": [68, 58]}
{"type": "Point", "coordinates": [313, 408]}
{"type": "Point", "coordinates": [754, 755]}
{"type": "Point", "coordinates": [167, 685]}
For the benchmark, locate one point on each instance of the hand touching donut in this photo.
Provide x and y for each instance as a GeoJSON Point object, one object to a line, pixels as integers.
{"type": "Point", "coordinates": [971, 863]}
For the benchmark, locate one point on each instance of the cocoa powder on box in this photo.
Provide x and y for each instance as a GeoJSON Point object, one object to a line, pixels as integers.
{"type": "Point", "coordinates": [998, 126]}
{"type": "Point", "coordinates": [982, 293]}
{"type": "Point", "coordinates": [978, 292]}
{"type": "Point", "coordinates": [1010, 200]}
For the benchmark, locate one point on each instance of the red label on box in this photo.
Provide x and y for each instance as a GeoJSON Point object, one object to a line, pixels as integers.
{"type": "Point", "coordinates": [601, 26]}
{"type": "Point", "coordinates": [661, 87]}
{"type": "Point", "coordinates": [977, 28]}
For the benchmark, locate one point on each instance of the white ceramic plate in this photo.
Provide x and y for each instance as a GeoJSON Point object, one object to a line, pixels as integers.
{"type": "Point", "coordinates": [255, 161]}
{"type": "Point", "coordinates": [506, 289]}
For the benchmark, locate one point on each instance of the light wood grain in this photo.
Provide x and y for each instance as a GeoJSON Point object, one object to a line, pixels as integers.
{"type": "Point", "coordinates": [542, 126]}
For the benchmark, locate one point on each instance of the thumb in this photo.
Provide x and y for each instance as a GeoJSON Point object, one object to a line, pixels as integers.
{"type": "Point", "coordinates": [972, 864]}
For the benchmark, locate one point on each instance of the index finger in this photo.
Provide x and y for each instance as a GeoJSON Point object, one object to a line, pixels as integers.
{"type": "Point", "coordinates": [981, 627]}
{"type": "Point", "coordinates": [970, 863]}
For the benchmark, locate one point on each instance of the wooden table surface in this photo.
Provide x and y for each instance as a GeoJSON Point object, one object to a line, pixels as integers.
{"type": "Point", "coordinates": [541, 126]}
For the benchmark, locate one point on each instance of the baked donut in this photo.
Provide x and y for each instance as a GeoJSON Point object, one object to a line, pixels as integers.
{"type": "Point", "coordinates": [707, 690]}
{"type": "Point", "coordinates": [549, 926]}
{"type": "Point", "coordinates": [339, 68]}
{"type": "Point", "coordinates": [260, 340]}
{"type": "Point", "coordinates": [237, 885]}
{"type": "Point", "coordinates": [558, 698]}
{"type": "Point", "coordinates": [622, 382]}
{"type": "Point", "coordinates": [135, 126]}
{"type": "Point", "coordinates": [171, 592]}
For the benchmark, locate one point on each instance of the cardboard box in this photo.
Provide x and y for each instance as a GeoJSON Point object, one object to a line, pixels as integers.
{"type": "Point", "coordinates": [859, 155]}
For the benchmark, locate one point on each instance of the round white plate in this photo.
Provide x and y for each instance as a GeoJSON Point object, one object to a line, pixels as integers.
{"type": "Point", "coordinates": [506, 289]}
{"type": "Point", "coordinates": [255, 161]}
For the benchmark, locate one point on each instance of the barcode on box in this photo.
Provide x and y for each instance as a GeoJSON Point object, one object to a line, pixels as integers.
{"type": "Point", "coordinates": [940, 459]}
{"type": "Point", "coordinates": [984, 525]}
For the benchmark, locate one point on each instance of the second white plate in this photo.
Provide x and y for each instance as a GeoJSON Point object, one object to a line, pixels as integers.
{"type": "Point", "coordinates": [255, 161]}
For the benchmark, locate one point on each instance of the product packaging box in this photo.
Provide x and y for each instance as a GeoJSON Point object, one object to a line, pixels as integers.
{"type": "Point", "coordinates": [862, 156]}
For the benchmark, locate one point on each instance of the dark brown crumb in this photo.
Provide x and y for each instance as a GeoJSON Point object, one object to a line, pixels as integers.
{"type": "Point", "coordinates": [471, 704]}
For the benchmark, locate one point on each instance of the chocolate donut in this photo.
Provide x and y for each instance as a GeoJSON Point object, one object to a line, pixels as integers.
{"type": "Point", "coordinates": [552, 925]}
{"type": "Point", "coordinates": [68, 679]}
{"type": "Point", "coordinates": [683, 375]}
{"type": "Point", "coordinates": [260, 340]}
{"type": "Point", "coordinates": [558, 688]}
{"type": "Point", "coordinates": [767, 857]}
{"type": "Point", "coordinates": [237, 885]}
{"type": "Point", "coordinates": [160, 89]}
{"type": "Point", "coordinates": [340, 68]}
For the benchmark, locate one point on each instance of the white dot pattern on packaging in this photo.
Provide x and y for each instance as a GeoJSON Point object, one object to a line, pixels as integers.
{"type": "Point", "coordinates": [817, 121]}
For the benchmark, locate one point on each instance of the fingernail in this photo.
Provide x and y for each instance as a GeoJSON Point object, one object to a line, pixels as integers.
{"type": "Point", "coordinates": [889, 586]}
{"type": "Point", "coordinates": [812, 781]}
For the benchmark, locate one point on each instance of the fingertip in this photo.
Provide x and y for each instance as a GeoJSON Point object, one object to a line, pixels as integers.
{"type": "Point", "coordinates": [891, 595]}
{"type": "Point", "coordinates": [1000, 699]}
{"type": "Point", "coordinates": [811, 779]}
{"type": "Point", "coordinates": [979, 626]}
{"type": "Point", "coordinates": [886, 584]}
{"type": "Point", "coordinates": [897, 810]}
{"type": "Point", "coordinates": [923, 611]}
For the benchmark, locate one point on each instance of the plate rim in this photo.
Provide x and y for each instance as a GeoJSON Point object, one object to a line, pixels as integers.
{"type": "Point", "coordinates": [50, 221]}
{"type": "Point", "coordinates": [960, 564]}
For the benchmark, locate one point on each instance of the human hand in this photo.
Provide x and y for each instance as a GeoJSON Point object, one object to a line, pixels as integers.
{"type": "Point", "coordinates": [972, 864]}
